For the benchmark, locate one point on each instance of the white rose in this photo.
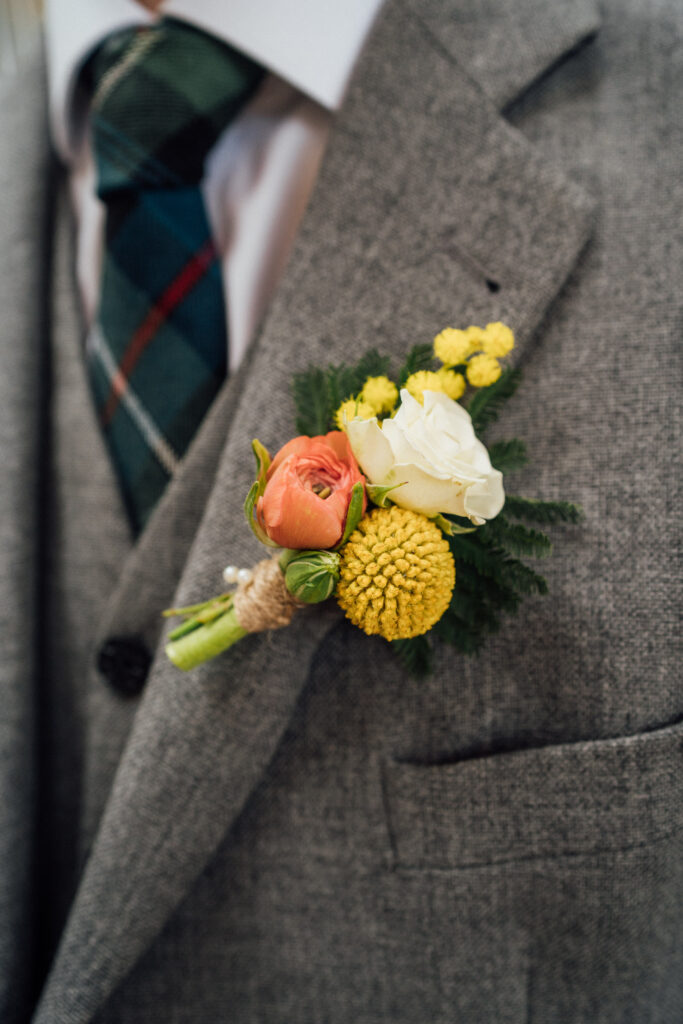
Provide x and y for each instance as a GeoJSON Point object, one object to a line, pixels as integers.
{"type": "Point", "coordinates": [432, 451]}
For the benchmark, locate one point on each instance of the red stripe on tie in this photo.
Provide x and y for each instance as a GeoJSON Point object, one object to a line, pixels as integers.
{"type": "Point", "coordinates": [172, 297]}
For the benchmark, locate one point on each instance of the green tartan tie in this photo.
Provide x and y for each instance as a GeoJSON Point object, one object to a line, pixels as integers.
{"type": "Point", "coordinates": [158, 350]}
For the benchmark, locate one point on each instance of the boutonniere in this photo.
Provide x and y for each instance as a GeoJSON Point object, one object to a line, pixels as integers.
{"type": "Point", "coordinates": [390, 503]}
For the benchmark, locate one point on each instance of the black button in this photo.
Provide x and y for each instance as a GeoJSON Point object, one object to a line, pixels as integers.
{"type": "Point", "coordinates": [124, 662]}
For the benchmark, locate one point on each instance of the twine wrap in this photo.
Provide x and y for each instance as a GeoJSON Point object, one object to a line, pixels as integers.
{"type": "Point", "coordinates": [264, 602]}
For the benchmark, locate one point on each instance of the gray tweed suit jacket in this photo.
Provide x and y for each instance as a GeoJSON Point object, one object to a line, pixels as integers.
{"type": "Point", "coordinates": [299, 832]}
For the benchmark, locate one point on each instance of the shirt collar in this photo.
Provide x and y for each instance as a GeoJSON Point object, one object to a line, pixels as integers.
{"type": "Point", "coordinates": [313, 44]}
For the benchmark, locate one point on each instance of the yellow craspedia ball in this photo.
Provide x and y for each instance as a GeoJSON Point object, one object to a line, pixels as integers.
{"type": "Point", "coordinates": [381, 393]}
{"type": "Point", "coordinates": [452, 346]}
{"type": "Point", "coordinates": [498, 340]}
{"type": "Point", "coordinates": [452, 383]}
{"type": "Point", "coordinates": [353, 408]}
{"type": "Point", "coordinates": [423, 380]}
{"type": "Point", "coordinates": [483, 370]}
{"type": "Point", "coordinates": [396, 575]}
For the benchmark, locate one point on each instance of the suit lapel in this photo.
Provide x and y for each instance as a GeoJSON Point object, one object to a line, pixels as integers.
{"type": "Point", "coordinates": [151, 570]}
{"type": "Point", "coordinates": [425, 200]}
{"type": "Point", "coordinates": [146, 580]}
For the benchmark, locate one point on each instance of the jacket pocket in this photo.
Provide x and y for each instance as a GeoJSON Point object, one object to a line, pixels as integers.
{"type": "Point", "coordinates": [555, 801]}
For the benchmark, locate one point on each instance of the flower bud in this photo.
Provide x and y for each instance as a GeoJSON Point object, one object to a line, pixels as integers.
{"type": "Point", "coordinates": [307, 493]}
{"type": "Point", "coordinates": [311, 576]}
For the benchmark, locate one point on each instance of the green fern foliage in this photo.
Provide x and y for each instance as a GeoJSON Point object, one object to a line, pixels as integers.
{"type": "Point", "coordinates": [518, 539]}
{"type": "Point", "coordinates": [545, 512]}
{"type": "Point", "coordinates": [319, 393]}
{"type": "Point", "coordinates": [491, 577]}
{"type": "Point", "coordinates": [491, 581]}
{"type": "Point", "coordinates": [346, 381]}
{"type": "Point", "coordinates": [493, 561]}
{"type": "Point", "coordinates": [309, 390]}
{"type": "Point", "coordinates": [462, 636]}
{"type": "Point", "coordinates": [420, 357]}
{"type": "Point", "coordinates": [416, 654]}
{"type": "Point", "coordinates": [508, 456]}
{"type": "Point", "coordinates": [486, 403]}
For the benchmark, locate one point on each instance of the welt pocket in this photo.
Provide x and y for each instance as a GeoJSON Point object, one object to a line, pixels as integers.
{"type": "Point", "coordinates": [554, 801]}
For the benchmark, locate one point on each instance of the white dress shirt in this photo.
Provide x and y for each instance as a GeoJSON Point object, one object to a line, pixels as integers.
{"type": "Point", "coordinates": [260, 174]}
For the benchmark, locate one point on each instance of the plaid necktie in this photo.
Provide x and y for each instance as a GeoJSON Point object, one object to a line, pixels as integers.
{"type": "Point", "coordinates": [158, 350]}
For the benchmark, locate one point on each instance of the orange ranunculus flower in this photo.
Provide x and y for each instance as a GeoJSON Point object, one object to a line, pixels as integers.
{"type": "Point", "coordinates": [308, 490]}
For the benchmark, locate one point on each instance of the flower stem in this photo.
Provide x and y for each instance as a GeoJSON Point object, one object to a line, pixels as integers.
{"type": "Point", "coordinates": [192, 609]}
{"type": "Point", "coordinates": [205, 642]}
{"type": "Point", "coordinates": [183, 629]}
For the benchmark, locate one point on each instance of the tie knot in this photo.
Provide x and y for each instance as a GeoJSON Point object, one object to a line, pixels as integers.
{"type": "Point", "coordinates": [161, 95]}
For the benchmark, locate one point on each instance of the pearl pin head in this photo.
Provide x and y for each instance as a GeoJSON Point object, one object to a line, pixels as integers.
{"type": "Point", "coordinates": [231, 574]}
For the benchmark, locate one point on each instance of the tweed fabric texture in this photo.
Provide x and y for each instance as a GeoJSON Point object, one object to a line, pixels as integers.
{"type": "Point", "coordinates": [23, 215]}
{"type": "Point", "coordinates": [303, 832]}
{"type": "Point", "coordinates": [158, 351]}
{"type": "Point", "coordinates": [83, 503]}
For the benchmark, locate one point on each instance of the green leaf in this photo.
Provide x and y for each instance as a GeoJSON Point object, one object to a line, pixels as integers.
{"type": "Point", "coordinates": [462, 607]}
{"type": "Point", "coordinates": [484, 592]}
{"type": "Point", "coordinates": [377, 493]}
{"type": "Point", "coordinates": [319, 393]}
{"type": "Point", "coordinates": [344, 381]}
{"type": "Point", "coordinates": [522, 578]}
{"type": "Point", "coordinates": [466, 637]}
{"type": "Point", "coordinates": [183, 629]}
{"type": "Point", "coordinates": [192, 609]}
{"type": "Point", "coordinates": [370, 365]}
{"type": "Point", "coordinates": [546, 512]}
{"type": "Point", "coordinates": [468, 642]}
{"type": "Point", "coordinates": [450, 528]}
{"type": "Point", "coordinates": [312, 402]}
{"type": "Point", "coordinates": [214, 609]}
{"type": "Point", "coordinates": [353, 515]}
{"type": "Point", "coordinates": [420, 357]}
{"type": "Point", "coordinates": [495, 563]}
{"type": "Point", "coordinates": [249, 506]}
{"type": "Point", "coordinates": [262, 463]}
{"type": "Point", "coordinates": [517, 538]}
{"type": "Point", "coordinates": [486, 560]}
{"type": "Point", "coordinates": [486, 403]}
{"type": "Point", "coordinates": [508, 455]}
{"type": "Point", "coordinates": [416, 655]}
{"type": "Point", "coordinates": [255, 492]}
{"type": "Point", "coordinates": [340, 384]}
{"type": "Point", "coordinates": [207, 611]}
{"type": "Point", "coordinates": [467, 616]}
